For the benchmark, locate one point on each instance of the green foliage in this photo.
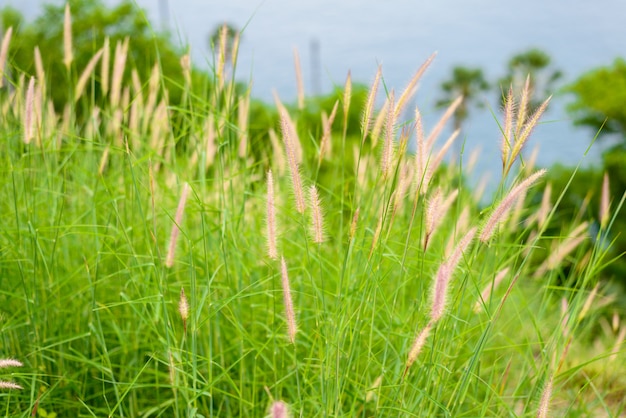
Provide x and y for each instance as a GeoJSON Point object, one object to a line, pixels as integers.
{"type": "Point", "coordinates": [599, 98]}
{"type": "Point", "coordinates": [92, 21]}
{"type": "Point", "coordinates": [582, 201]}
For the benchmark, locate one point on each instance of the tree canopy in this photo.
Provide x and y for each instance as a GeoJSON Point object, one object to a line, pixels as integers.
{"type": "Point", "coordinates": [466, 82]}
{"type": "Point", "coordinates": [92, 22]}
{"type": "Point", "coordinates": [600, 98]}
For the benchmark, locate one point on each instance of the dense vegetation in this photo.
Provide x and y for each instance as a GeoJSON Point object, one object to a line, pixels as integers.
{"type": "Point", "coordinates": [170, 256]}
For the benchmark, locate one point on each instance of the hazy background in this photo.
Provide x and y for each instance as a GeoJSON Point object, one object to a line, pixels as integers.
{"type": "Point", "coordinates": [358, 35]}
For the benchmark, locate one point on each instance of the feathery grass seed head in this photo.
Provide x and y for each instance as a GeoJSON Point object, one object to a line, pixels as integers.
{"type": "Point", "coordinates": [416, 347]}
{"type": "Point", "coordinates": [292, 161]}
{"type": "Point", "coordinates": [501, 211]}
{"type": "Point", "coordinates": [316, 214]}
{"type": "Point", "coordinates": [390, 128]}
{"type": "Point", "coordinates": [183, 308]}
{"type": "Point", "coordinates": [369, 105]}
{"type": "Point", "coordinates": [29, 112]}
{"type": "Point", "coordinates": [289, 311]}
{"type": "Point", "coordinates": [279, 409]}
{"type": "Point", "coordinates": [68, 55]}
{"type": "Point", "coordinates": [271, 218]}
{"type": "Point", "coordinates": [4, 52]}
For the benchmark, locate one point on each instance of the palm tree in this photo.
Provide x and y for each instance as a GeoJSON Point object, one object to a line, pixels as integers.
{"type": "Point", "coordinates": [466, 82]}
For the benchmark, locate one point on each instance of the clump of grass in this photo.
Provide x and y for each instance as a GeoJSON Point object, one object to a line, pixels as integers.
{"type": "Point", "coordinates": [86, 210]}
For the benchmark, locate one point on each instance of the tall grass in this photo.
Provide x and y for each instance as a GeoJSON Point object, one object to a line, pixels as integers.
{"type": "Point", "coordinates": [367, 299]}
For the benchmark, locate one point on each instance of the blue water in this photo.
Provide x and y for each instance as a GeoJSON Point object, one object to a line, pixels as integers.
{"type": "Point", "coordinates": [358, 35]}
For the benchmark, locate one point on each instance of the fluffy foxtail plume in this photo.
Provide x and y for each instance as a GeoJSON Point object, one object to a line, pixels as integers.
{"type": "Point", "coordinates": [4, 51]}
{"type": "Point", "coordinates": [604, 202]}
{"type": "Point", "coordinates": [300, 83]}
{"type": "Point", "coordinates": [369, 105]}
{"type": "Point", "coordinates": [119, 64]}
{"type": "Point", "coordinates": [235, 50]}
{"type": "Point", "coordinates": [68, 55]}
{"type": "Point", "coordinates": [9, 363]}
{"type": "Point", "coordinates": [507, 129]}
{"type": "Point", "coordinates": [169, 261]}
{"type": "Point", "coordinates": [436, 210]}
{"type": "Point", "coordinates": [486, 293]}
{"type": "Point", "coordinates": [522, 111]}
{"type": "Point", "coordinates": [38, 66]}
{"type": "Point", "coordinates": [292, 161]}
{"type": "Point", "coordinates": [271, 218]}
{"type": "Point", "coordinates": [243, 113]}
{"type": "Point", "coordinates": [29, 112]}
{"type": "Point", "coordinates": [84, 77]}
{"type": "Point", "coordinates": [411, 88]}
{"type": "Point", "coordinates": [293, 132]}
{"type": "Point", "coordinates": [432, 216]}
{"type": "Point", "coordinates": [279, 409]}
{"type": "Point", "coordinates": [347, 97]}
{"type": "Point", "coordinates": [9, 385]}
{"type": "Point", "coordinates": [544, 403]}
{"type": "Point", "coordinates": [326, 135]}
{"type": "Point", "coordinates": [524, 134]}
{"type": "Point", "coordinates": [185, 65]}
{"type": "Point", "coordinates": [386, 160]}
{"type": "Point", "coordinates": [104, 66]}
{"type": "Point", "coordinates": [316, 209]}
{"type": "Point", "coordinates": [444, 274]}
{"type": "Point", "coordinates": [289, 312]}
{"type": "Point", "coordinates": [416, 347]}
{"type": "Point", "coordinates": [221, 57]}
{"type": "Point", "coordinates": [183, 308]}
{"type": "Point", "coordinates": [501, 211]}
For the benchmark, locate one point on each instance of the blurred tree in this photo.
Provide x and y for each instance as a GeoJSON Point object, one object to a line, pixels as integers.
{"type": "Point", "coordinates": [600, 98]}
{"type": "Point", "coordinates": [92, 21]}
{"type": "Point", "coordinates": [231, 34]}
{"type": "Point", "coordinates": [466, 82]}
{"type": "Point", "coordinates": [536, 65]}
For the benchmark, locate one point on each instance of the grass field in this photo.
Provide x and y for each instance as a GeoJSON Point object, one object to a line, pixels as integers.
{"type": "Point", "coordinates": [151, 265]}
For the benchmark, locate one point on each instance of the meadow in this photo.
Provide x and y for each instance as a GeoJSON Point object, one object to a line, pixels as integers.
{"type": "Point", "coordinates": [158, 260]}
